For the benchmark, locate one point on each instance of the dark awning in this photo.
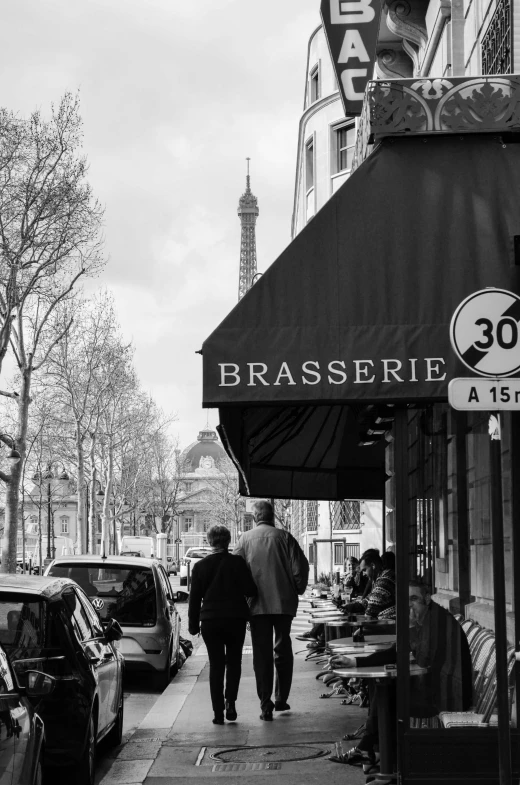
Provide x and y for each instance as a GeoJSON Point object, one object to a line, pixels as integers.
{"type": "Point", "coordinates": [357, 308]}
{"type": "Point", "coordinates": [302, 452]}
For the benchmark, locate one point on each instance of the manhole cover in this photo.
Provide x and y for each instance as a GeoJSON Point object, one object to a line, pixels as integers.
{"type": "Point", "coordinates": [271, 753]}
{"type": "Point", "coordinates": [246, 766]}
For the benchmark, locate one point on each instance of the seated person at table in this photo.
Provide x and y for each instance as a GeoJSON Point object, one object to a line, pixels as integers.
{"type": "Point", "coordinates": [356, 583]}
{"type": "Point", "coordinates": [437, 642]}
{"type": "Point", "coordinates": [381, 597]}
{"type": "Point", "coordinates": [357, 580]}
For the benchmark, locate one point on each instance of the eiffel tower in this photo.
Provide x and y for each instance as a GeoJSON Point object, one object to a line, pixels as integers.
{"type": "Point", "coordinates": [248, 213]}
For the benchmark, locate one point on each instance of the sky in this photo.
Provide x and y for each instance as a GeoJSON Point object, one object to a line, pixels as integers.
{"type": "Point", "coordinates": [175, 94]}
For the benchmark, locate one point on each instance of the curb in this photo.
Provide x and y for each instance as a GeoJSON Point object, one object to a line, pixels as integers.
{"type": "Point", "coordinates": [135, 758]}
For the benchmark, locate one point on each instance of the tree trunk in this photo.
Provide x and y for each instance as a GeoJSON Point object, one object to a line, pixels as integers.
{"type": "Point", "coordinates": [81, 533]}
{"type": "Point", "coordinates": [105, 515]}
{"type": "Point", "coordinates": [12, 495]}
{"type": "Point", "coordinates": [93, 513]}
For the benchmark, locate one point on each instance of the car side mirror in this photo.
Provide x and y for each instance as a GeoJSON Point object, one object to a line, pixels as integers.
{"type": "Point", "coordinates": [39, 684]}
{"type": "Point", "coordinates": [113, 631]}
{"type": "Point", "coordinates": [182, 596]}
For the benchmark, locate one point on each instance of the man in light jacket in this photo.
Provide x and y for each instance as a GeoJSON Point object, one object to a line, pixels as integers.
{"type": "Point", "coordinates": [280, 571]}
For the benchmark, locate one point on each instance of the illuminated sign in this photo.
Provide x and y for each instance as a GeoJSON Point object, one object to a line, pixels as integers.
{"type": "Point", "coordinates": [351, 28]}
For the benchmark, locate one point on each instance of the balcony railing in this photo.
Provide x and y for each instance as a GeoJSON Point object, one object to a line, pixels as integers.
{"type": "Point", "coordinates": [411, 107]}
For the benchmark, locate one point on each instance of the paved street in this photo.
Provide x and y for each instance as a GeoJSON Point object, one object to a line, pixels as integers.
{"type": "Point", "coordinates": [170, 738]}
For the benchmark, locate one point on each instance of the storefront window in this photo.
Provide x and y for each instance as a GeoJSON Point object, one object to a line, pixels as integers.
{"type": "Point", "coordinates": [449, 561]}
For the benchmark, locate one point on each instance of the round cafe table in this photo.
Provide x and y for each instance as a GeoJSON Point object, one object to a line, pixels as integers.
{"type": "Point", "coordinates": [372, 639]}
{"type": "Point", "coordinates": [383, 679]}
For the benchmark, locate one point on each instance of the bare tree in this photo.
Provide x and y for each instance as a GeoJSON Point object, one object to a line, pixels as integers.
{"type": "Point", "coordinates": [79, 377]}
{"type": "Point", "coordinates": [224, 503]}
{"type": "Point", "coordinates": [50, 238]}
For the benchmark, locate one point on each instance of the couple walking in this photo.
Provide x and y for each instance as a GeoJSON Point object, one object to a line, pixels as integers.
{"type": "Point", "coordinates": [268, 568]}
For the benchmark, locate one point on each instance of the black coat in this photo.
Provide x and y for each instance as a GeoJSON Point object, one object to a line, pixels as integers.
{"type": "Point", "coordinates": [220, 583]}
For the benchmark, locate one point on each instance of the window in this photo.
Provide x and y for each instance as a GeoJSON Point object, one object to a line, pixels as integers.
{"type": "Point", "coordinates": [128, 593]}
{"type": "Point", "coordinates": [315, 84]}
{"type": "Point", "coordinates": [309, 165]}
{"type": "Point", "coordinates": [64, 522]}
{"type": "Point", "coordinates": [188, 486]}
{"type": "Point", "coordinates": [248, 522]}
{"type": "Point", "coordinates": [345, 514]}
{"type": "Point", "coordinates": [312, 516]}
{"type": "Point", "coordinates": [496, 43]}
{"type": "Point", "coordinates": [345, 144]}
{"type": "Point", "coordinates": [311, 554]}
{"type": "Point", "coordinates": [188, 524]}
{"type": "Point", "coordinates": [338, 552]}
{"type": "Point", "coordinates": [165, 583]}
{"type": "Point", "coordinates": [309, 179]}
{"type": "Point", "coordinates": [91, 614]}
{"type": "Point", "coordinates": [78, 616]}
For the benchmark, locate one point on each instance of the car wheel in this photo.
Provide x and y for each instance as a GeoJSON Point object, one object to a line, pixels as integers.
{"type": "Point", "coordinates": [115, 736]}
{"type": "Point", "coordinates": [162, 678]}
{"type": "Point", "coordinates": [184, 581]}
{"type": "Point", "coordinates": [87, 765]}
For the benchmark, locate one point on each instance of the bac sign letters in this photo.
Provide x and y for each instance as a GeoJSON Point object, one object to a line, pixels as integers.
{"type": "Point", "coordinates": [351, 28]}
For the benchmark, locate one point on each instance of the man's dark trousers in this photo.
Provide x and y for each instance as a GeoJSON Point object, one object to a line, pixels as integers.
{"type": "Point", "coordinates": [262, 628]}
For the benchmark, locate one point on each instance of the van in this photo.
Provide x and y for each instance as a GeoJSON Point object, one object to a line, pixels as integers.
{"type": "Point", "coordinates": [138, 546]}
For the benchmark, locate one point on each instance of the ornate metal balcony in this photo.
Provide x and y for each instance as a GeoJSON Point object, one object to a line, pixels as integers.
{"type": "Point", "coordinates": [410, 107]}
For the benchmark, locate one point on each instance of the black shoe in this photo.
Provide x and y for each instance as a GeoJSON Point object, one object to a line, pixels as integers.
{"type": "Point", "coordinates": [281, 706]}
{"type": "Point", "coordinates": [218, 720]}
{"type": "Point", "coordinates": [267, 716]}
{"type": "Point", "coordinates": [231, 712]}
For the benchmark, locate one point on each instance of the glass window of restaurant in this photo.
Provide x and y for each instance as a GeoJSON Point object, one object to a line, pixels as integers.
{"type": "Point", "coordinates": [439, 502]}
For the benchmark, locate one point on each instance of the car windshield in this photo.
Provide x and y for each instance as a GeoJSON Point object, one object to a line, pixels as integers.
{"type": "Point", "coordinates": [197, 554]}
{"type": "Point", "coordinates": [126, 594]}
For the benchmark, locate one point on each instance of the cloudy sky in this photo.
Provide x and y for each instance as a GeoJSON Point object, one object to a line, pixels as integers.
{"type": "Point", "coordinates": [175, 94]}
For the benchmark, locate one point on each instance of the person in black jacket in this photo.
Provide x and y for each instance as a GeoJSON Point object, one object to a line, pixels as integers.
{"type": "Point", "coordinates": [221, 582]}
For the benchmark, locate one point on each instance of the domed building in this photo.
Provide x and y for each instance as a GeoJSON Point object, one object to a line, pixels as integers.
{"type": "Point", "coordinates": [207, 446]}
{"type": "Point", "coordinates": [208, 494]}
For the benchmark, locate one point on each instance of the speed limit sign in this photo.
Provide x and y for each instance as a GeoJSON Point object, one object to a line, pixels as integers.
{"type": "Point", "coordinates": [484, 332]}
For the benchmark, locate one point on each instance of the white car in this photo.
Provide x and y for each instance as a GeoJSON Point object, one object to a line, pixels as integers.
{"type": "Point", "coordinates": [191, 557]}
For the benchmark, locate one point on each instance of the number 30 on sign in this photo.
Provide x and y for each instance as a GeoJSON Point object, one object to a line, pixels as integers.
{"type": "Point", "coordinates": [484, 332]}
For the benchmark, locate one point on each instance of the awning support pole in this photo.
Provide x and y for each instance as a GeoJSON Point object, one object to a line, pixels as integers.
{"type": "Point", "coordinates": [497, 528]}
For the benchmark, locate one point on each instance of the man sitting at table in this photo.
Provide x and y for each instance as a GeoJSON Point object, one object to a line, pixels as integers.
{"type": "Point", "coordinates": [381, 597]}
{"type": "Point", "coordinates": [438, 643]}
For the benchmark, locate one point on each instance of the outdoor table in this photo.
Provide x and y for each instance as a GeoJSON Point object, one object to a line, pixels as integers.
{"type": "Point", "coordinates": [334, 624]}
{"type": "Point", "coordinates": [373, 639]}
{"type": "Point", "coordinates": [323, 614]}
{"type": "Point", "coordinates": [383, 679]}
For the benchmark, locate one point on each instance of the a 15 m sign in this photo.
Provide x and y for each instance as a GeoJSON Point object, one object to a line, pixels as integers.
{"type": "Point", "coordinates": [351, 28]}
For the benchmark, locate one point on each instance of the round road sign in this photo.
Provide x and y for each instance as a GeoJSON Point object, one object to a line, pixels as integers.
{"type": "Point", "coordinates": [485, 332]}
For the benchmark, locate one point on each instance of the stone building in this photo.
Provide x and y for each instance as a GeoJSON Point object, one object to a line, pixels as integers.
{"type": "Point", "coordinates": [208, 494]}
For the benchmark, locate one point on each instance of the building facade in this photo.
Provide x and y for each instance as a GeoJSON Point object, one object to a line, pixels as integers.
{"type": "Point", "coordinates": [208, 494]}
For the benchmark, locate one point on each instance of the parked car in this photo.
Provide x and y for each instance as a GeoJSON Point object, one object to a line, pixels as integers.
{"type": "Point", "coordinates": [191, 557]}
{"type": "Point", "coordinates": [21, 728]}
{"type": "Point", "coordinates": [137, 593]}
{"type": "Point", "coordinates": [50, 626]}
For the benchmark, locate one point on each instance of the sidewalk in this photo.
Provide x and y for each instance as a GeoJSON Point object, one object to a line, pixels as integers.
{"type": "Point", "coordinates": [176, 739]}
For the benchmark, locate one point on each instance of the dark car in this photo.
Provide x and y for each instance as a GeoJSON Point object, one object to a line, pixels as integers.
{"type": "Point", "coordinates": [49, 625]}
{"type": "Point", "coordinates": [21, 728]}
